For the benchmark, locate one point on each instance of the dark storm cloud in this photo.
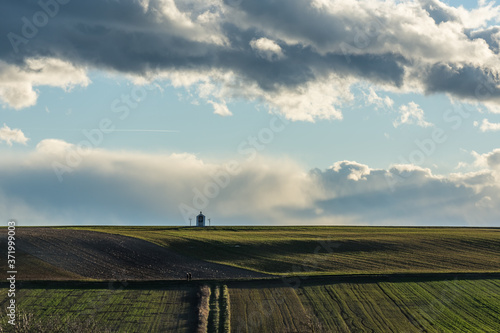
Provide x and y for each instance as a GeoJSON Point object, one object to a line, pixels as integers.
{"type": "Point", "coordinates": [465, 81]}
{"type": "Point", "coordinates": [358, 40]}
{"type": "Point", "coordinates": [121, 36]}
{"type": "Point", "coordinates": [297, 18]}
{"type": "Point", "coordinates": [490, 36]}
{"type": "Point", "coordinates": [106, 34]}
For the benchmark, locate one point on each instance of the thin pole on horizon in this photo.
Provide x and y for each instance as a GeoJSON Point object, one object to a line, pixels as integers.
{"type": "Point", "coordinates": [190, 219]}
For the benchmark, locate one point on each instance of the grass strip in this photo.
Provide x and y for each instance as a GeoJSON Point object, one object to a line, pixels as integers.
{"type": "Point", "coordinates": [225, 322]}
{"type": "Point", "coordinates": [203, 308]}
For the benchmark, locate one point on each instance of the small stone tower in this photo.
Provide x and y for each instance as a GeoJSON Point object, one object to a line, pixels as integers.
{"type": "Point", "coordinates": [200, 220]}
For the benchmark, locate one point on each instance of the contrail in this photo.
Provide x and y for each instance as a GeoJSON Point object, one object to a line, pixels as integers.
{"type": "Point", "coordinates": [115, 130]}
{"type": "Point", "coordinates": [145, 130]}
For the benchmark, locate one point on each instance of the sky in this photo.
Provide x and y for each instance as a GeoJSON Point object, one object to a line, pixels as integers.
{"type": "Point", "coordinates": [275, 112]}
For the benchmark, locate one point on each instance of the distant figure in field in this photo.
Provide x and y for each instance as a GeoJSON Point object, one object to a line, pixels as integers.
{"type": "Point", "coordinates": [187, 276]}
{"type": "Point", "coordinates": [190, 276]}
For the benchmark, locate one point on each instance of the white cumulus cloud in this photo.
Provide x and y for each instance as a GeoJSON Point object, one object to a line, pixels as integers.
{"type": "Point", "coordinates": [53, 146]}
{"type": "Point", "coordinates": [221, 108]}
{"type": "Point", "coordinates": [10, 136]}
{"type": "Point", "coordinates": [17, 83]}
{"type": "Point", "coordinates": [411, 114]}
{"type": "Point", "coordinates": [267, 49]}
{"type": "Point", "coordinates": [487, 126]}
{"type": "Point", "coordinates": [372, 98]}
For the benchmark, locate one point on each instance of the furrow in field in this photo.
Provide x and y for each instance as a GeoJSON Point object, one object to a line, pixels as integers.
{"type": "Point", "coordinates": [448, 305]}
{"type": "Point", "coordinates": [113, 310]}
{"type": "Point", "coordinates": [267, 310]}
{"type": "Point", "coordinates": [326, 309]}
{"type": "Point", "coordinates": [349, 316]}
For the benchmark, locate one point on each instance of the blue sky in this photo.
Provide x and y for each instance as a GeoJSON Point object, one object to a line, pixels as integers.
{"type": "Point", "coordinates": [196, 129]}
{"type": "Point", "coordinates": [335, 112]}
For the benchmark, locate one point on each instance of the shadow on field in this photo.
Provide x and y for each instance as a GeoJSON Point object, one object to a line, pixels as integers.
{"type": "Point", "coordinates": [213, 250]}
{"type": "Point", "coordinates": [103, 256]}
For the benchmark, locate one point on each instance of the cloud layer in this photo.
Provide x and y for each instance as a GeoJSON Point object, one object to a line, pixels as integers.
{"type": "Point", "coordinates": [298, 57]}
{"type": "Point", "coordinates": [61, 183]}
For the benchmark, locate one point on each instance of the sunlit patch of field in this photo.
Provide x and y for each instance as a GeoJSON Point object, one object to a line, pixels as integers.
{"type": "Point", "coordinates": [437, 306]}
{"type": "Point", "coordinates": [431, 306]}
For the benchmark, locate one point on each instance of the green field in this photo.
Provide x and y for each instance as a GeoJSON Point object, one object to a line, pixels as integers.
{"type": "Point", "coordinates": [329, 279]}
{"type": "Point", "coordinates": [268, 309]}
{"type": "Point", "coordinates": [431, 306]}
{"type": "Point", "coordinates": [438, 306]}
{"type": "Point", "coordinates": [114, 309]}
{"type": "Point", "coordinates": [331, 250]}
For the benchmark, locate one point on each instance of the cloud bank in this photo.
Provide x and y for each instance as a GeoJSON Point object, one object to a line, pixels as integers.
{"type": "Point", "coordinates": [60, 183]}
{"type": "Point", "coordinates": [298, 57]}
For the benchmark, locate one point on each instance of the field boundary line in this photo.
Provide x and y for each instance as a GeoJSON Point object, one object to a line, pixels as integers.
{"type": "Point", "coordinates": [311, 280]}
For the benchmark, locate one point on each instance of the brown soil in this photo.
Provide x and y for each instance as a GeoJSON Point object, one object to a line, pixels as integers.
{"type": "Point", "coordinates": [99, 255]}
